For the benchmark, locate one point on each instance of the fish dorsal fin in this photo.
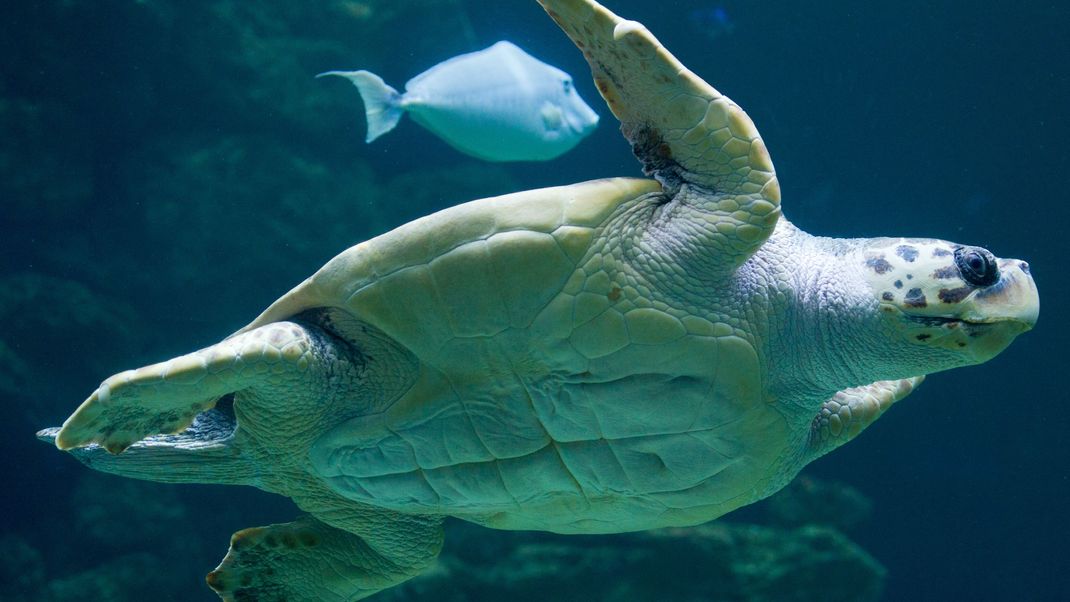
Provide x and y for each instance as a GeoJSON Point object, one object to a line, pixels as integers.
{"type": "Point", "coordinates": [680, 127]}
{"type": "Point", "coordinates": [477, 59]}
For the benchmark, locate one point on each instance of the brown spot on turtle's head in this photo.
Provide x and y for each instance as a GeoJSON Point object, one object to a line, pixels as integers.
{"type": "Point", "coordinates": [915, 298]}
{"type": "Point", "coordinates": [946, 273]}
{"type": "Point", "coordinates": [907, 252]}
{"type": "Point", "coordinates": [954, 295]}
{"type": "Point", "coordinates": [960, 304]}
{"type": "Point", "coordinates": [879, 264]}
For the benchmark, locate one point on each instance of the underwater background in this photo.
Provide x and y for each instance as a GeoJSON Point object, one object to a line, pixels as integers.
{"type": "Point", "coordinates": [170, 167]}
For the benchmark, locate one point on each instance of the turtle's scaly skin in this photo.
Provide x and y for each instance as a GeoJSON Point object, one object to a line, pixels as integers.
{"type": "Point", "coordinates": [615, 355]}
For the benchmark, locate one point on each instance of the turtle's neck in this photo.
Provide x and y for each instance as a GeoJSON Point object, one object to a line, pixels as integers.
{"type": "Point", "coordinates": [803, 301]}
{"type": "Point", "coordinates": [824, 332]}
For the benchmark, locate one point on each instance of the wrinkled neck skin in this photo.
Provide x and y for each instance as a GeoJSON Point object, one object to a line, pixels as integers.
{"type": "Point", "coordinates": [825, 332]}
{"type": "Point", "coordinates": [811, 314]}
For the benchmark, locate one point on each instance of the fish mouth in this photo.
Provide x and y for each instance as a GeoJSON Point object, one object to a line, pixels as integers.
{"type": "Point", "coordinates": [582, 124]}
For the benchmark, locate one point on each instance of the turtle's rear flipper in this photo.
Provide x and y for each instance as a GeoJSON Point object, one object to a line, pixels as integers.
{"type": "Point", "coordinates": [165, 398]}
{"type": "Point", "coordinates": [303, 560]}
{"type": "Point", "coordinates": [203, 453]}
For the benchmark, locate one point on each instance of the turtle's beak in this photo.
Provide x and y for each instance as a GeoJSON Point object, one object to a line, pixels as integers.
{"type": "Point", "coordinates": [994, 315]}
{"type": "Point", "coordinates": [976, 322]}
{"type": "Point", "coordinates": [1013, 299]}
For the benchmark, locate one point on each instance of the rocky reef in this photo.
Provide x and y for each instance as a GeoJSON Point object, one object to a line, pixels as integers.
{"type": "Point", "coordinates": [799, 556]}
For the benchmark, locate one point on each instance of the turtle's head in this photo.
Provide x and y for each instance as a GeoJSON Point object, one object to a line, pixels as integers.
{"type": "Point", "coordinates": [962, 302]}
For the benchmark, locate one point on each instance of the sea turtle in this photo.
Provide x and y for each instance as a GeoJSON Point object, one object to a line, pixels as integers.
{"type": "Point", "coordinates": [609, 356]}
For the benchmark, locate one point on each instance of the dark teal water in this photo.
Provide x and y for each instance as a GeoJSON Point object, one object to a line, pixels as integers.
{"type": "Point", "coordinates": [168, 168]}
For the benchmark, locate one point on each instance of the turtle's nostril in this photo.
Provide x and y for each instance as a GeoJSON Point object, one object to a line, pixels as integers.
{"type": "Point", "coordinates": [1025, 267]}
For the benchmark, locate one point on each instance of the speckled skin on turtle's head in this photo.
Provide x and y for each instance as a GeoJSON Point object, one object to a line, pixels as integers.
{"type": "Point", "coordinates": [922, 283]}
{"type": "Point", "coordinates": [609, 356]}
{"type": "Point", "coordinates": [863, 310]}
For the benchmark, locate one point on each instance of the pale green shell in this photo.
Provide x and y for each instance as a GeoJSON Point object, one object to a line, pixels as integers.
{"type": "Point", "coordinates": [541, 358]}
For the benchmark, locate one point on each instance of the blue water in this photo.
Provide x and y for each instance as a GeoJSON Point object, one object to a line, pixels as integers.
{"type": "Point", "coordinates": [167, 169]}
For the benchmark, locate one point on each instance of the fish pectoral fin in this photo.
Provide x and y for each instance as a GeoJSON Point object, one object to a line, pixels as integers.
{"type": "Point", "coordinates": [552, 116]}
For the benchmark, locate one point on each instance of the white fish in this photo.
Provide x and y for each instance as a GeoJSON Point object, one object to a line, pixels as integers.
{"type": "Point", "coordinates": [497, 104]}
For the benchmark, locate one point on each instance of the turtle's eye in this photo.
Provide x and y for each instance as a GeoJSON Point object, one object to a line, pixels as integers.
{"type": "Point", "coordinates": [977, 266]}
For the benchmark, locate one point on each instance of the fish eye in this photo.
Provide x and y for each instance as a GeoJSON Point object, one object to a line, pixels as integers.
{"type": "Point", "coordinates": [977, 266]}
{"type": "Point", "coordinates": [567, 85]}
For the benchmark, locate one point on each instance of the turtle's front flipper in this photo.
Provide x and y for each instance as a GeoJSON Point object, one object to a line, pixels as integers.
{"type": "Point", "coordinates": [687, 134]}
{"type": "Point", "coordinates": [850, 411]}
{"type": "Point", "coordinates": [310, 560]}
{"type": "Point", "coordinates": [165, 398]}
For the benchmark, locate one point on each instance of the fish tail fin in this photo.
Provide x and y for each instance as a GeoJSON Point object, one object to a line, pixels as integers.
{"type": "Point", "coordinates": [382, 104]}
